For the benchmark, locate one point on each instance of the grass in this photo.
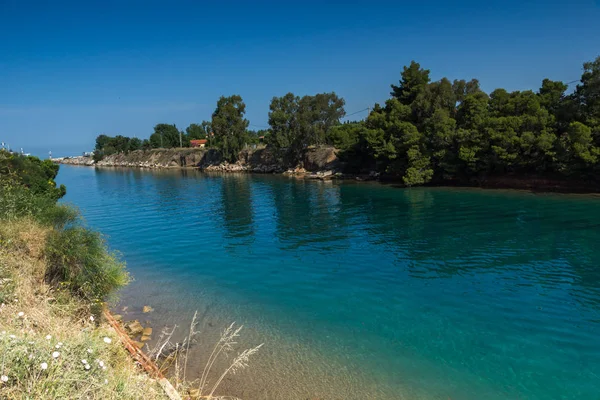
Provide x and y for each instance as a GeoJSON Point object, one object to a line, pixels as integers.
{"type": "Point", "coordinates": [174, 357]}
{"type": "Point", "coordinates": [55, 275]}
{"type": "Point", "coordinates": [46, 331]}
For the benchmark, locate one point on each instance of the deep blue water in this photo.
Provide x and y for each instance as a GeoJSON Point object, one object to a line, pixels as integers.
{"type": "Point", "coordinates": [364, 291]}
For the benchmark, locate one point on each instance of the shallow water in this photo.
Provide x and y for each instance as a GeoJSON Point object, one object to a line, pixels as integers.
{"type": "Point", "coordinates": [360, 290]}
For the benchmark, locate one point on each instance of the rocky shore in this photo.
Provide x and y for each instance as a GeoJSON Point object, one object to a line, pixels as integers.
{"type": "Point", "coordinates": [318, 163]}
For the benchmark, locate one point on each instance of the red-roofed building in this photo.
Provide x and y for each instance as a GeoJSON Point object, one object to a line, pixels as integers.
{"type": "Point", "coordinates": [198, 143]}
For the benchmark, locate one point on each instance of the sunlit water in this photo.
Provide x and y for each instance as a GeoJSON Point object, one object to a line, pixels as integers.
{"type": "Point", "coordinates": [360, 290]}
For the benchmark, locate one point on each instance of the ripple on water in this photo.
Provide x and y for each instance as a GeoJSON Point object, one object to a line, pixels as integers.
{"type": "Point", "coordinates": [361, 290]}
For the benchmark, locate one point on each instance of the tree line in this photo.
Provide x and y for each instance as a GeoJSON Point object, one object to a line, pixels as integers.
{"type": "Point", "coordinates": [427, 131]}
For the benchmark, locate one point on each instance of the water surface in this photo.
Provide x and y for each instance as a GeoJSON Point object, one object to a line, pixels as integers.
{"type": "Point", "coordinates": [360, 290]}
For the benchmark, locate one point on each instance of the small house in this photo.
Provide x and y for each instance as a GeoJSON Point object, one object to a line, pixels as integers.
{"type": "Point", "coordinates": [198, 143]}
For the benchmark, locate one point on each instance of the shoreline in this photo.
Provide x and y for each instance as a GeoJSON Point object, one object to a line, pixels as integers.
{"type": "Point", "coordinates": [530, 183]}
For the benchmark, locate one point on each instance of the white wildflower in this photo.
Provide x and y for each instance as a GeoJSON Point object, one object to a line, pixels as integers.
{"type": "Point", "coordinates": [58, 345]}
{"type": "Point", "coordinates": [84, 361]}
{"type": "Point", "coordinates": [21, 314]}
{"type": "Point", "coordinates": [12, 336]}
{"type": "Point", "coordinates": [44, 366]}
{"type": "Point", "coordinates": [92, 318]}
{"type": "Point", "coordinates": [101, 363]}
{"type": "Point", "coordinates": [55, 354]}
{"type": "Point", "coordinates": [48, 337]}
{"type": "Point", "coordinates": [107, 340]}
{"type": "Point", "coordinates": [104, 367]}
{"type": "Point", "coordinates": [87, 366]}
{"type": "Point", "coordinates": [4, 378]}
{"type": "Point", "coordinates": [106, 381]}
{"type": "Point", "coordinates": [16, 300]}
{"type": "Point", "coordinates": [89, 351]}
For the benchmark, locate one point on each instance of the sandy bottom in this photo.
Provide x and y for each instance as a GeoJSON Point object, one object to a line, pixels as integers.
{"type": "Point", "coordinates": [284, 368]}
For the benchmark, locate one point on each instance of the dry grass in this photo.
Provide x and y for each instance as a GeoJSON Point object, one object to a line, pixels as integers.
{"type": "Point", "coordinates": [45, 333]}
{"type": "Point", "coordinates": [174, 357]}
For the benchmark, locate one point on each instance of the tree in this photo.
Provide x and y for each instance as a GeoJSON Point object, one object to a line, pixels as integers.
{"type": "Point", "coordinates": [578, 146]}
{"type": "Point", "coordinates": [321, 112]}
{"type": "Point", "coordinates": [284, 121]}
{"type": "Point", "coordinates": [102, 141]}
{"type": "Point", "coordinates": [165, 136]}
{"type": "Point", "coordinates": [414, 79]}
{"type": "Point", "coordinates": [229, 126]}
{"type": "Point", "coordinates": [135, 144]}
{"type": "Point", "coordinates": [552, 94]}
{"type": "Point", "coordinates": [198, 131]}
{"type": "Point", "coordinates": [297, 123]}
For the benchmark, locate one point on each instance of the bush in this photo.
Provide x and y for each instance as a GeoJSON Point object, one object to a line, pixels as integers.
{"type": "Point", "coordinates": [79, 258]}
{"type": "Point", "coordinates": [31, 172]}
{"type": "Point", "coordinates": [17, 201]}
{"type": "Point", "coordinates": [98, 155]}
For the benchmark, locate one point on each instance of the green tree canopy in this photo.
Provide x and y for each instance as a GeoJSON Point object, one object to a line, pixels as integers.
{"type": "Point", "coordinates": [229, 126]}
{"type": "Point", "coordinates": [165, 136]}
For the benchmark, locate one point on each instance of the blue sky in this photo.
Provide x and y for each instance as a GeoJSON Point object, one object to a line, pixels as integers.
{"type": "Point", "coordinates": [72, 70]}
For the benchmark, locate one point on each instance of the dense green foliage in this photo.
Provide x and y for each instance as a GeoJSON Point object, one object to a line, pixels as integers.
{"type": "Point", "coordinates": [106, 145]}
{"type": "Point", "coordinates": [440, 131]}
{"type": "Point", "coordinates": [77, 256]}
{"type": "Point", "coordinates": [298, 122]}
{"type": "Point", "coordinates": [165, 136]}
{"type": "Point", "coordinates": [198, 131]}
{"type": "Point", "coordinates": [229, 126]}
{"type": "Point", "coordinates": [31, 172]}
{"type": "Point", "coordinates": [428, 131]}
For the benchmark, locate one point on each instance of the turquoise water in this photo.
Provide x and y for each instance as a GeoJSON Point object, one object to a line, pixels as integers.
{"type": "Point", "coordinates": [360, 290]}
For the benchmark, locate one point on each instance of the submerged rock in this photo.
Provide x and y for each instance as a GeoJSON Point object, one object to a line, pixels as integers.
{"type": "Point", "coordinates": [139, 345]}
{"type": "Point", "coordinates": [147, 331]}
{"type": "Point", "coordinates": [147, 309]}
{"type": "Point", "coordinates": [134, 327]}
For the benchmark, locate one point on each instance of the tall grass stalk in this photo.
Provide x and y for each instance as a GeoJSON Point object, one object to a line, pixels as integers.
{"type": "Point", "coordinates": [191, 334]}
{"type": "Point", "coordinates": [224, 344]}
{"type": "Point", "coordinates": [239, 363]}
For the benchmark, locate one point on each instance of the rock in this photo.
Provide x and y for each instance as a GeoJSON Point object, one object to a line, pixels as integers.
{"type": "Point", "coordinates": [147, 309]}
{"type": "Point", "coordinates": [118, 317]}
{"type": "Point", "coordinates": [145, 338]}
{"type": "Point", "coordinates": [147, 331]}
{"type": "Point", "coordinates": [134, 327]}
{"type": "Point", "coordinates": [139, 345]}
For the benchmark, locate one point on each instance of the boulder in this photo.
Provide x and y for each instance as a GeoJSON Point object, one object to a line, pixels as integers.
{"type": "Point", "coordinates": [134, 327]}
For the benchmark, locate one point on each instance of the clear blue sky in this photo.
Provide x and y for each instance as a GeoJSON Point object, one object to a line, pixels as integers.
{"type": "Point", "coordinates": [72, 70]}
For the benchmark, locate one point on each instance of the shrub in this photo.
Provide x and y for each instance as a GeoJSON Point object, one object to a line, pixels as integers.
{"type": "Point", "coordinates": [18, 201]}
{"type": "Point", "coordinates": [79, 257]}
{"type": "Point", "coordinates": [32, 173]}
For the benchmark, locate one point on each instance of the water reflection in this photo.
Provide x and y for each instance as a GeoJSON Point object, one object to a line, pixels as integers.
{"type": "Point", "coordinates": [307, 213]}
{"type": "Point", "coordinates": [236, 209]}
{"type": "Point", "coordinates": [469, 294]}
